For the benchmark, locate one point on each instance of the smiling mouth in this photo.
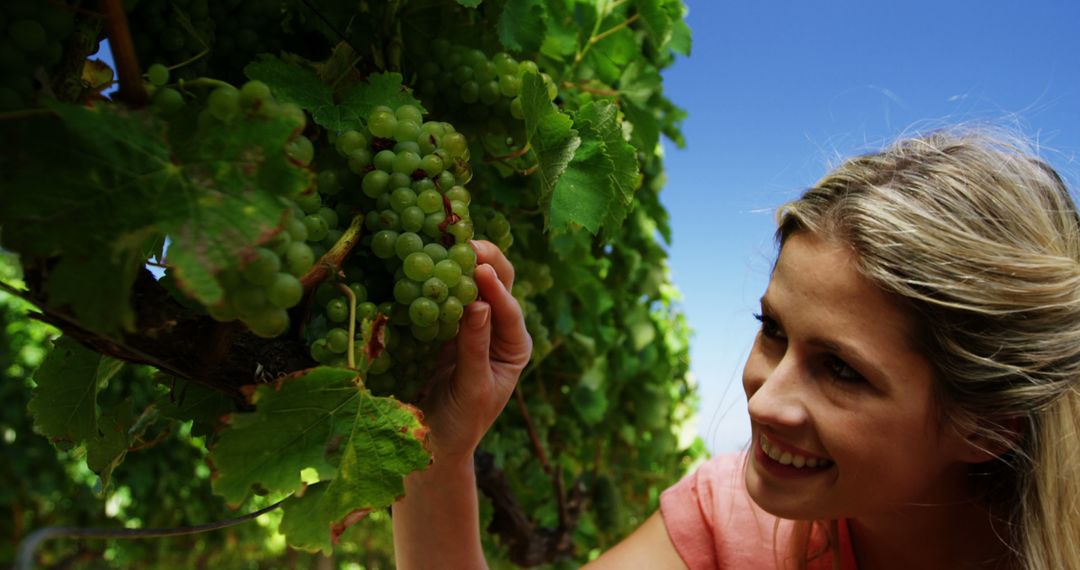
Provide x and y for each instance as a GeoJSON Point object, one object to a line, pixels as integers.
{"type": "Point", "coordinates": [791, 459]}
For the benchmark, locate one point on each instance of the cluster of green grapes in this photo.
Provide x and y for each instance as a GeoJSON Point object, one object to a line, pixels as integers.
{"type": "Point", "coordinates": [491, 225]}
{"type": "Point", "coordinates": [466, 78]}
{"type": "Point", "coordinates": [35, 33]}
{"type": "Point", "coordinates": [173, 32]}
{"type": "Point", "coordinates": [266, 284]}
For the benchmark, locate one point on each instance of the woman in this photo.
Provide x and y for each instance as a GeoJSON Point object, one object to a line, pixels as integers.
{"type": "Point", "coordinates": [914, 390]}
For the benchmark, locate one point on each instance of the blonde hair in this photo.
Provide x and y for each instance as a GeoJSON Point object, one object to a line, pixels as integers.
{"type": "Point", "coordinates": [982, 241]}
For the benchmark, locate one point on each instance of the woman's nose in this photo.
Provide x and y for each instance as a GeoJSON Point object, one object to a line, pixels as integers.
{"type": "Point", "coordinates": [776, 392]}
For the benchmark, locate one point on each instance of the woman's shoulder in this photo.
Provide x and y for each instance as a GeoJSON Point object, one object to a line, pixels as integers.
{"type": "Point", "coordinates": [714, 523]}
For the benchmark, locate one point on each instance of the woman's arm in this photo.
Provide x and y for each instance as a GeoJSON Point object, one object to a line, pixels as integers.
{"type": "Point", "coordinates": [647, 547]}
{"type": "Point", "coordinates": [437, 524]}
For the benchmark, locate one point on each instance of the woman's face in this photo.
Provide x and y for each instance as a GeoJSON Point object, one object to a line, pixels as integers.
{"type": "Point", "coordinates": [839, 396]}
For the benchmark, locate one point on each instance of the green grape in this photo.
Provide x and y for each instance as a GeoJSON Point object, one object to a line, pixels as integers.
{"type": "Point", "coordinates": [389, 220]}
{"type": "Point", "coordinates": [360, 161]}
{"type": "Point", "coordinates": [400, 180]}
{"type": "Point", "coordinates": [381, 364]}
{"type": "Point", "coordinates": [418, 266]}
{"type": "Point", "coordinates": [406, 162]}
{"type": "Point", "coordinates": [285, 291]}
{"type": "Point", "coordinates": [528, 67]}
{"type": "Point", "coordinates": [485, 70]}
{"type": "Point", "coordinates": [458, 193]}
{"type": "Point", "coordinates": [498, 227]}
{"type": "Point", "coordinates": [262, 268]}
{"type": "Point", "coordinates": [409, 113]}
{"type": "Point", "coordinates": [455, 144]}
{"type": "Point", "coordinates": [337, 340]}
{"type": "Point", "coordinates": [406, 291]}
{"type": "Point", "coordinates": [301, 150]}
{"type": "Point", "coordinates": [431, 224]}
{"type": "Point", "coordinates": [320, 352]}
{"type": "Point", "coordinates": [445, 179]}
{"type": "Point", "coordinates": [410, 146]}
{"type": "Point", "coordinates": [384, 160]}
{"type": "Point", "coordinates": [382, 123]}
{"type": "Point", "coordinates": [412, 219]}
{"type": "Point", "coordinates": [254, 93]}
{"type": "Point", "coordinates": [431, 164]}
{"type": "Point", "coordinates": [168, 101]}
{"type": "Point", "coordinates": [465, 256]}
{"type": "Point", "coordinates": [425, 333]}
{"type": "Point", "coordinates": [426, 143]}
{"type": "Point", "coordinates": [430, 201]}
{"type": "Point", "coordinates": [489, 92]}
{"type": "Point", "coordinates": [406, 131]}
{"type": "Point", "coordinates": [337, 310]}
{"type": "Point", "coordinates": [309, 202]}
{"type": "Point", "coordinates": [157, 75]}
{"type": "Point", "coordinates": [296, 228]}
{"type": "Point", "coordinates": [366, 311]}
{"type": "Point", "coordinates": [223, 102]}
{"type": "Point", "coordinates": [350, 141]}
{"type": "Point", "coordinates": [462, 231]}
{"type": "Point", "coordinates": [435, 289]}
{"type": "Point", "coordinates": [505, 64]}
{"type": "Point", "coordinates": [437, 253]}
{"type": "Point", "coordinates": [329, 216]}
{"type": "Point", "coordinates": [470, 92]}
{"type": "Point", "coordinates": [268, 323]}
{"type": "Point", "coordinates": [424, 312]}
{"type": "Point", "coordinates": [465, 290]}
{"type": "Point", "coordinates": [293, 115]}
{"type": "Point", "coordinates": [298, 258]}
{"type": "Point", "coordinates": [328, 182]}
{"type": "Point", "coordinates": [448, 271]}
{"type": "Point", "coordinates": [460, 208]}
{"type": "Point", "coordinates": [516, 110]}
{"type": "Point", "coordinates": [451, 310]}
{"type": "Point", "coordinates": [383, 244]}
{"type": "Point", "coordinates": [509, 85]}
{"type": "Point", "coordinates": [375, 183]}
{"type": "Point", "coordinates": [402, 198]}
{"type": "Point", "coordinates": [407, 244]}
{"type": "Point", "coordinates": [316, 227]}
{"type": "Point", "coordinates": [359, 290]}
{"type": "Point", "coordinates": [222, 312]}
{"type": "Point", "coordinates": [371, 221]}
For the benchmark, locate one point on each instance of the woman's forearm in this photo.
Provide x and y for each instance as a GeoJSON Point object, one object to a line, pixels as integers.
{"type": "Point", "coordinates": [437, 524]}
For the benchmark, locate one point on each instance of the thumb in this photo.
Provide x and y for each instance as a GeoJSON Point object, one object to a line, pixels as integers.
{"type": "Point", "coordinates": [473, 348]}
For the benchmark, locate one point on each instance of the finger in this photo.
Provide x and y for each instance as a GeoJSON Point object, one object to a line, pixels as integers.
{"type": "Point", "coordinates": [473, 346]}
{"type": "Point", "coordinates": [489, 253]}
{"type": "Point", "coordinates": [510, 341]}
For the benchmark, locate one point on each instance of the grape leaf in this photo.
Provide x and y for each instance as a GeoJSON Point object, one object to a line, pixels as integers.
{"type": "Point", "coordinates": [298, 423]}
{"type": "Point", "coordinates": [380, 89]}
{"type": "Point", "coordinates": [597, 189]}
{"type": "Point", "coordinates": [657, 20]}
{"type": "Point", "coordinates": [551, 135]}
{"type": "Point", "coordinates": [522, 25]}
{"type": "Point", "coordinates": [64, 405]}
{"type": "Point", "coordinates": [202, 406]}
{"type": "Point", "coordinates": [107, 449]}
{"type": "Point", "coordinates": [680, 38]}
{"type": "Point", "coordinates": [638, 82]}
{"type": "Point", "coordinates": [290, 83]}
{"type": "Point", "coordinates": [384, 446]}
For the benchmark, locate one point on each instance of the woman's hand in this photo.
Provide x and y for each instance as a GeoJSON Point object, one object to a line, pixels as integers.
{"type": "Point", "coordinates": [477, 371]}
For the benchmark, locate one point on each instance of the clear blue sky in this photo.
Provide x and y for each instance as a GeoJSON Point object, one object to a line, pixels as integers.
{"type": "Point", "coordinates": [778, 90]}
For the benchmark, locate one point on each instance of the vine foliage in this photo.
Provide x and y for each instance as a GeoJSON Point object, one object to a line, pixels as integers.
{"type": "Point", "coordinates": [251, 145]}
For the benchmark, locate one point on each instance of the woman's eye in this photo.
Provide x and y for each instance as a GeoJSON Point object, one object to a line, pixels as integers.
{"type": "Point", "coordinates": [769, 328]}
{"type": "Point", "coordinates": [842, 372]}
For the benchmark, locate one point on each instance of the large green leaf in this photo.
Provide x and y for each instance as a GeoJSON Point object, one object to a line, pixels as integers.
{"type": "Point", "coordinates": [551, 135]}
{"type": "Point", "coordinates": [302, 422]}
{"type": "Point", "coordinates": [384, 446]}
{"type": "Point", "coordinates": [379, 89]}
{"type": "Point", "coordinates": [64, 405]}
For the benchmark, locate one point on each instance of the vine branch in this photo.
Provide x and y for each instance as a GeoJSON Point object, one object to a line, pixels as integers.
{"type": "Point", "coordinates": [541, 455]}
{"type": "Point", "coordinates": [132, 90]}
{"type": "Point", "coordinates": [331, 261]}
{"type": "Point", "coordinates": [25, 558]}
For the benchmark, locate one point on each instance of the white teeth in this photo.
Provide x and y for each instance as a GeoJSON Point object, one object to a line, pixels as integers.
{"type": "Point", "coordinates": [788, 458]}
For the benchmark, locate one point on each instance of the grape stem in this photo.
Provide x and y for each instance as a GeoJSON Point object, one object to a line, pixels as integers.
{"type": "Point", "coordinates": [25, 558]}
{"type": "Point", "coordinates": [503, 158]}
{"type": "Point", "coordinates": [349, 354]}
{"type": "Point", "coordinates": [330, 262]}
{"type": "Point", "coordinates": [132, 89]}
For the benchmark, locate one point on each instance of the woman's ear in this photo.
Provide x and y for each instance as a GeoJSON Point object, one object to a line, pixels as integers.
{"type": "Point", "coordinates": [979, 447]}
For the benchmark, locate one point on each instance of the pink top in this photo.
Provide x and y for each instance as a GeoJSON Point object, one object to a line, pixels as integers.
{"type": "Point", "coordinates": [714, 523]}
